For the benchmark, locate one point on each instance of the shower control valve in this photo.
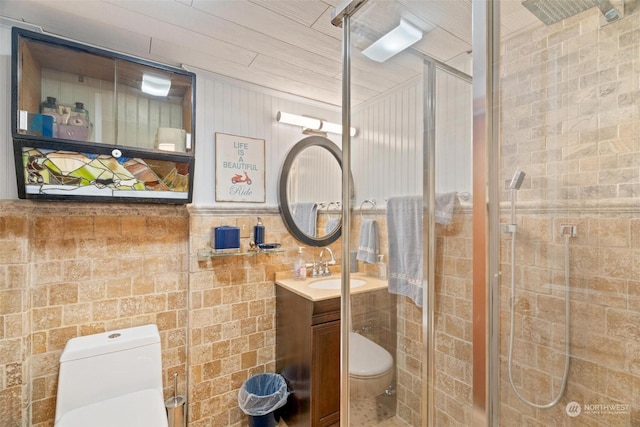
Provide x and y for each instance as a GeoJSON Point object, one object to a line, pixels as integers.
{"type": "Point", "coordinates": [509, 228]}
{"type": "Point", "coordinates": [568, 230]}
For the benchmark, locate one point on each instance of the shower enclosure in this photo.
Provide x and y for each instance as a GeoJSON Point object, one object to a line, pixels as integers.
{"type": "Point", "coordinates": [529, 308]}
{"type": "Point", "coordinates": [569, 348]}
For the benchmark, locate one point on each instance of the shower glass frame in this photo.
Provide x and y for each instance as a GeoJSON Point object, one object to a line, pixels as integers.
{"type": "Point", "coordinates": [427, 188]}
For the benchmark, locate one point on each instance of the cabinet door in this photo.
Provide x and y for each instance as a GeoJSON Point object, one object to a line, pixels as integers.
{"type": "Point", "coordinates": [325, 376]}
{"type": "Point", "coordinates": [65, 91]}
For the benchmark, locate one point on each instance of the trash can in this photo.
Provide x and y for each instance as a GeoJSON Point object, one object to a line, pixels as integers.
{"type": "Point", "coordinates": [260, 396]}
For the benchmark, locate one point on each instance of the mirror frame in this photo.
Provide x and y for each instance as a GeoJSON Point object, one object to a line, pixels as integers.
{"type": "Point", "coordinates": [283, 198]}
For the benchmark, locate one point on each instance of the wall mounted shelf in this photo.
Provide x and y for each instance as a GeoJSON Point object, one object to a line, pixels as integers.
{"type": "Point", "coordinates": [209, 253]}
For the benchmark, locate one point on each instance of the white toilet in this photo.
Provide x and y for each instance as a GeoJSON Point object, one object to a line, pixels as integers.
{"type": "Point", "coordinates": [370, 367]}
{"type": "Point", "coordinates": [112, 379]}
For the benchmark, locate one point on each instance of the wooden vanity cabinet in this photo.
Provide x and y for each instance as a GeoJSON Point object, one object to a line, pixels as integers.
{"type": "Point", "coordinates": [308, 356]}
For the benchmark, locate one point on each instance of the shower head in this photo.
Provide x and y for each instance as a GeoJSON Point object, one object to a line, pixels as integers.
{"type": "Point", "coordinates": [552, 11]}
{"type": "Point", "coordinates": [517, 179]}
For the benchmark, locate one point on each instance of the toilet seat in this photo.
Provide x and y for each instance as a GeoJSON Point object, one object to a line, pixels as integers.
{"type": "Point", "coordinates": [366, 358]}
{"type": "Point", "coordinates": [143, 408]}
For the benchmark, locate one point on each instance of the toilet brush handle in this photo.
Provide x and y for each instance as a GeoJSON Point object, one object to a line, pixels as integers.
{"type": "Point", "coordinates": [175, 388]}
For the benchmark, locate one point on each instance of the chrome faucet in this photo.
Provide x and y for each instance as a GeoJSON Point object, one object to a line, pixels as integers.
{"type": "Point", "coordinates": [332, 261]}
{"type": "Point", "coordinates": [323, 269]}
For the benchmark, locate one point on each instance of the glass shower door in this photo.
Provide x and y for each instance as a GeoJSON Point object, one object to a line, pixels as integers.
{"type": "Point", "coordinates": [410, 110]}
{"type": "Point", "coordinates": [568, 318]}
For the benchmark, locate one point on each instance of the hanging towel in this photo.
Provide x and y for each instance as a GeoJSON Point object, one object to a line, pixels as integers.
{"type": "Point", "coordinates": [369, 242]}
{"type": "Point", "coordinates": [444, 207]}
{"type": "Point", "coordinates": [306, 217]}
{"type": "Point", "coordinates": [332, 224]}
{"type": "Point", "coordinates": [404, 224]}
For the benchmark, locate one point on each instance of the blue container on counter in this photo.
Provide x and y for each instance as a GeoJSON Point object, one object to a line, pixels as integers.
{"type": "Point", "coordinates": [226, 239]}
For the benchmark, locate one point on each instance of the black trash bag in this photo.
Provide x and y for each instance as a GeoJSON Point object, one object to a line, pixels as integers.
{"type": "Point", "coordinates": [262, 394]}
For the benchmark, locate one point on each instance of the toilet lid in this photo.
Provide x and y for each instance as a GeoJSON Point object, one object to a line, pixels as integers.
{"type": "Point", "coordinates": [367, 358]}
{"type": "Point", "coordinates": [143, 408]}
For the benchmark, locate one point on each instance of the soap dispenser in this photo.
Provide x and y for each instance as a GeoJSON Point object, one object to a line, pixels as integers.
{"type": "Point", "coordinates": [258, 232]}
{"type": "Point", "coordinates": [300, 266]}
{"type": "Point", "coordinates": [382, 267]}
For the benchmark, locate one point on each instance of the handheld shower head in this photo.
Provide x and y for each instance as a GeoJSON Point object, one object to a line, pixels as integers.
{"type": "Point", "coordinates": [517, 179]}
{"type": "Point", "coordinates": [515, 184]}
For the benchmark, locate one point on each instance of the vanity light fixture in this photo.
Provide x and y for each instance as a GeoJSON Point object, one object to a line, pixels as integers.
{"type": "Point", "coordinates": [155, 85]}
{"type": "Point", "coordinates": [395, 41]}
{"type": "Point", "coordinates": [310, 124]}
{"type": "Point", "coordinates": [294, 119]}
{"type": "Point", "coordinates": [334, 128]}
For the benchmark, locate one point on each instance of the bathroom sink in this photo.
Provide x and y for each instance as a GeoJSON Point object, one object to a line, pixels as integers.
{"type": "Point", "coordinates": [335, 283]}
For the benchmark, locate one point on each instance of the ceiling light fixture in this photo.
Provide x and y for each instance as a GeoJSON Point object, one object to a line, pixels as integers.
{"type": "Point", "coordinates": [395, 41]}
{"type": "Point", "coordinates": [155, 85]}
{"type": "Point", "coordinates": [311, 124]}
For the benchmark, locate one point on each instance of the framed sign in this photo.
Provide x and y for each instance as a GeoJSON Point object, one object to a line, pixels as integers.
{"type": "Point", "coordinates": [239, 169]}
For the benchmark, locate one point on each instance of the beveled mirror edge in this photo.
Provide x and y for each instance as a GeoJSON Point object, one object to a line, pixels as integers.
{"type": "Point", "coordinates": [283, 198]}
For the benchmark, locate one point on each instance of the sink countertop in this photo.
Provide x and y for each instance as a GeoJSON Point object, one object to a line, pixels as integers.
{"type": "Point", "coordinates": [302, 288]}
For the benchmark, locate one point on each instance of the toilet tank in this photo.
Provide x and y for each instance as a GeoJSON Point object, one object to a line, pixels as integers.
{"type": "Point", "coordinates": [97, 367]}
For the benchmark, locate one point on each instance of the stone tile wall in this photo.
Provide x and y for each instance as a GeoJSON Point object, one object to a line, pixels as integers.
{"type": "Point", "coordinates": [454, 325]}
{"type": "Point", "coordinates": [569, 109]}
{"type": "Point", "coordinates": [570, 120]}
{"type": "Point", "coordinates": [14, 319]}
{"type": "Point", "coordinates": [604, 347]}
{"type": "Point", "coordinates": [71, 269]}
{"type": "Point", "coordinates": [232, 314]}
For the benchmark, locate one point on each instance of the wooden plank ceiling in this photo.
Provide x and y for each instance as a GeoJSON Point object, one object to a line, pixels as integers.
{"type": "Point", "coordinates": [288, 45]}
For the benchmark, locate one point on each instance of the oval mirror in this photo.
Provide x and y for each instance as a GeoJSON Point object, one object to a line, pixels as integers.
{"type": "Point", "coordinates": [310, 191]}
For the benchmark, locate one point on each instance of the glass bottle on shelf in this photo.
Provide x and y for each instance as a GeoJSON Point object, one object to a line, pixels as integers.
{"type": "Point", "coordinates": [48, 106]}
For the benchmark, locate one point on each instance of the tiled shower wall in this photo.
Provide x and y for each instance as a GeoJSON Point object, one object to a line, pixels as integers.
{"type": "Point", "coordinates": [454, 320]}
{"type": "Point", "coordinates": [605, 310]}
{"type": "Point", "coordinates": [570, 120]}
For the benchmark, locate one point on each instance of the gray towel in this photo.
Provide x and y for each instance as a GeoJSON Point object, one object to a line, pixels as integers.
{"type": "Point", "coordinates": [306, 217]}
{"type": "Point", "coordinates": [444, 207]}
{"type": "Point", "coordinates": [404, 224]}
{"type": "Point", "coordinates": [332, 224]}
{"type": "Point", "coordinates": [369, 242]}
